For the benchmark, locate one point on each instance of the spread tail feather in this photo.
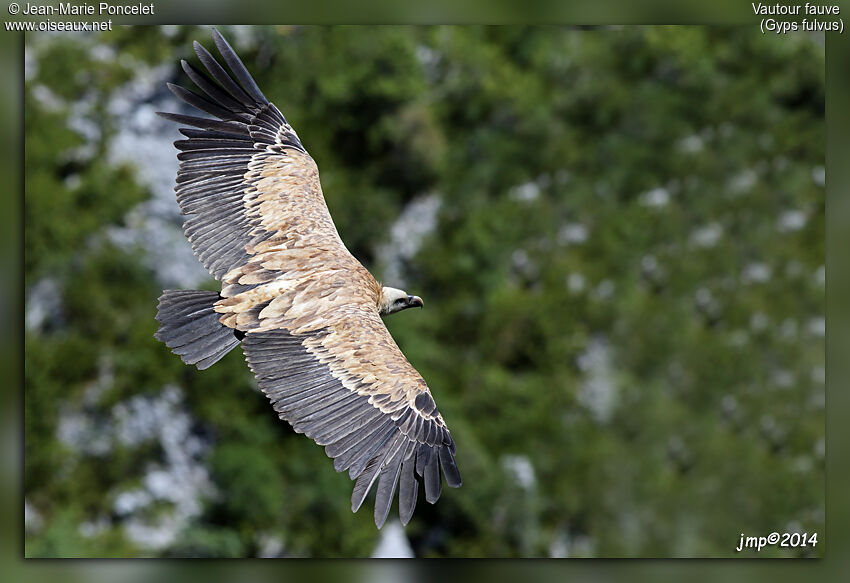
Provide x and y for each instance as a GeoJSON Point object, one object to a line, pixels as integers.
{"type": "Point", "coordinates": [190, 327]}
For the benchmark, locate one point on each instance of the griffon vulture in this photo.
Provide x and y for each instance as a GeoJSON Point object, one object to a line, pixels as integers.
{"type": "Point", "coordinates": [306, 312]}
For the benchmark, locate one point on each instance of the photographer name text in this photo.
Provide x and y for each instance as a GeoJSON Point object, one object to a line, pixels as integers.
{"type": "Point", "coordinates": [99, 9]}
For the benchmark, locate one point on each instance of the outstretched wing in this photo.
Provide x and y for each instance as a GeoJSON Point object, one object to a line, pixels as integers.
{"type": "Point", "coordinates": [307, 308]}
{"type": "Point", "coordinates": [348, 387]}
{"type": "Point", "coordinates": [229, 165]}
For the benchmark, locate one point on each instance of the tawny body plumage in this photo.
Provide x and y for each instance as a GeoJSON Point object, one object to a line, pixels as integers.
{"type": "Point", "coordinates": [306, 312]}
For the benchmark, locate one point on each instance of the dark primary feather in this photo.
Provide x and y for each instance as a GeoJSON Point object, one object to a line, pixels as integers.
{"type": "Point", "coordinates": [235, 63]}
{"type": "Point", "coordinates": [219, 74]}
{"type": "Point", "coordinates": [408, 488]}
{"type": "Point", "coordinates": [210, 88]}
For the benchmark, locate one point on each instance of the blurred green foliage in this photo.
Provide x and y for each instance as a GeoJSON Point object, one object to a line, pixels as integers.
{"type": "Point", "coordinates": [624, 290]}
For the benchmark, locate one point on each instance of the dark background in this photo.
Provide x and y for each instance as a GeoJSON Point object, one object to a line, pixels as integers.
{"type": "Point", "coordinates": [618, 234]}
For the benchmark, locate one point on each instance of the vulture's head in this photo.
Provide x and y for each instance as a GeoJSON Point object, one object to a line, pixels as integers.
{"type": "Point", "coordinates": [395, 300]}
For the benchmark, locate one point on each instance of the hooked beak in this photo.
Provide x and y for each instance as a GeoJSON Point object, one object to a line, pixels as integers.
{"type": "Point", "coordinates": [414, 301]}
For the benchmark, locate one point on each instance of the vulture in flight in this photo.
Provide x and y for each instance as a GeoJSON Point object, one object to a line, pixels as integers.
{"type": "Point", "coordinates": [306, 312]}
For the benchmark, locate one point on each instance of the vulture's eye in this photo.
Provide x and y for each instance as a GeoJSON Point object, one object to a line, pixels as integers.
{"type": "Point", "coordinates": [399, 301]}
